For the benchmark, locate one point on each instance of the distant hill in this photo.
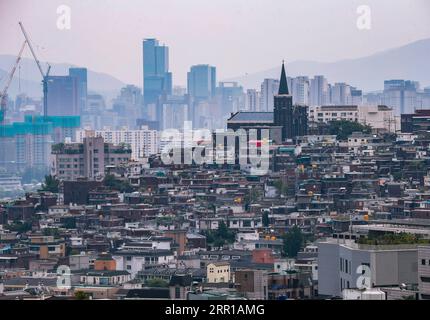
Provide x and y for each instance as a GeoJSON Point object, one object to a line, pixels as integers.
{"type": "Point", "coordinates": [409, 62]}
{"type": "Point", "coordinates": [31, 78]}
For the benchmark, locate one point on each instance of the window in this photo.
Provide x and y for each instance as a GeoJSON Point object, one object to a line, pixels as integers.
{"type": "Point", "coordinates": [423, 262]}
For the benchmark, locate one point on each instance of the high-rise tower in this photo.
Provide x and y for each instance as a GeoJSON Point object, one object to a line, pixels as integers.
{"type": "Point", "coordinates": [157, 80]}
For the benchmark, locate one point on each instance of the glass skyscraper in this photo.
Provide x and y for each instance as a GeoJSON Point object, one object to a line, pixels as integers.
{"type": "Point", "coordinates": [82, 86]}
{"type": "Point", "coordinates": [63, 96]}
{"type": "Point", "coordinates": [157, 80]}
{"type": "Point", "coordinates": [201, 81]}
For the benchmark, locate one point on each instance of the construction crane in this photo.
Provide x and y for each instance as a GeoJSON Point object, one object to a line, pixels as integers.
{"type": "Point", "coordinates": [3, 95]}
{"type": "Point", "coordinates": [44, 75]}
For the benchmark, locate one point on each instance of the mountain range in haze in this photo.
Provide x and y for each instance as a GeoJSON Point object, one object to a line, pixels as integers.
{"type": "Point", "coordinates": [31, 79]}
{"type": "Point", "coordinates": [409, 62]}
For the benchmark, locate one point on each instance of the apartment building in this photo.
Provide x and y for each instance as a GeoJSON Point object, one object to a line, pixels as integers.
{"type": "Point", "coordinates": [424, 272]}
{"type": "Point", "coordinates": [143, 142]}
{"type": "Point", "coordinates": [378, 117]}
{"type": "Point", "coordinates": [88, 159]}
{"type": "Point", "coordinates": [342, 264]}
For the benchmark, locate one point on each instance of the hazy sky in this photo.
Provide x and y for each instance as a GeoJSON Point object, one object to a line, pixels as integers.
{"type": "Point", "coordinates": [237, 36]}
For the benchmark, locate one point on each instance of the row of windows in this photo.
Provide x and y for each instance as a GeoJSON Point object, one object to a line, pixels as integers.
{"type": "Point", "coordinates": [423, 262]}
{"type": "Point", "coordinates": [343, 114]}
{"type": "Point", "coordinates": [211, 270]}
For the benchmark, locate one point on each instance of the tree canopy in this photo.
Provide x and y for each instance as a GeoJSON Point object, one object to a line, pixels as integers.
{"type": "Point", "coordinates": [343, 128]}
{"type": "Point", "coordinates": [293, 241]}
{"type": "Point", "coordinates": [157, 283]}
{"type": "Point", "coordinates": [221, 236]}
{"type": "Point", "coordinates": [51, 184]}
{"type": "Point", "coordinates": [116, 184]}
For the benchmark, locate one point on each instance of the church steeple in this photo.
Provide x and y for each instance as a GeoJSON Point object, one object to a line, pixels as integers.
{"type": "Point", "coordinates": [283, 85]}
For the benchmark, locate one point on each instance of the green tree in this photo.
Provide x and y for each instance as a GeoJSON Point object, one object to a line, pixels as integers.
{"type": "Point", "coordinates": [51, 184]}
{"type": "Point", "coordinates": [20, 227]}
{"type": "Point", "coordinates": [157, 283]}
{"type": "Point", "coordinates": [265, 219]}
{"type": "Point", "coordinates": [116, 184]}
{"type": "Point", "coordinates": [80, 295]}
{"type": "Point", "coordinates": [51, 232]}
{"type": "Point", "coordinates": [343, 128]}
{"type": "Point", "coordinates": [281, 187]}
{"type": "Point", "coordinates": [221, 236]}
{"type": "Point", "coordinates": [293, 241]}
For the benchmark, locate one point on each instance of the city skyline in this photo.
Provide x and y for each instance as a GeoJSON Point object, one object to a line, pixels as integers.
{"type": "Point", "coordinates": [213, 46]}
{"type": "Point", "coordinates": [200, 178]}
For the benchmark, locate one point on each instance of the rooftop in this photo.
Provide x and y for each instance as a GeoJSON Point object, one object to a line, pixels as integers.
{"type": "Point", "coordinates": [254, 117]}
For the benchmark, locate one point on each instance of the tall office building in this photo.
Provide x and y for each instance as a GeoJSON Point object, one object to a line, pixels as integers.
{"type": "Point", "coordinates": [319, 91]}
{"type": "Point", "coordinates": [401, 95]}
{"type": "Point", "coordinates": [128, 106]}
{"type": "Point", "coordinates": [63, 99]}
{"type": "Point", "coordinates": [356, 97]}
{"type": "Point", "coordinates": [82, 87]}
{"type": "Point", "coordinates": [341, 94]}
{"type": "Point", "coordinates": [157, 80]}
{"type": "Point", "coordinates": [201, 80]}
{"type": "Point", "coordinates": [300, 90]}
{"type": "Point", "coordinates": [292, 118]}
{"type": "Point", "coordinates": [252, 102]}
{"type": "Point", "coordinates": [231, 97]}
{"type": "Point", "coordinates": [269, 89]}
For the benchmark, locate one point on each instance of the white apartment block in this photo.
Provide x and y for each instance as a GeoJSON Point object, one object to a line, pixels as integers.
{"type": "Point", "coordinates": [424, 272]}
{"type": "Point", "coordinates": [252, 102]}
{"type": "Point", "coordinates": [269, 88]}
{"type": "Point", "coordinates": [300, 90]}
{"type": "Point", "coordinates": [342, 264]}
{"type": "Point", "coordinates": [143, 142]}
{"type": "Point", "coordinates": [378, 117]}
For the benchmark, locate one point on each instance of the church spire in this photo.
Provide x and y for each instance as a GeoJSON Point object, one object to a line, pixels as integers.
{"type": "Point", "coordinates": [283, 85]}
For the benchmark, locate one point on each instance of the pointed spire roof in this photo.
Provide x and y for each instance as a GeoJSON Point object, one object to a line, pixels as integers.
{"type": "Point", "coordinates": [283, 85]}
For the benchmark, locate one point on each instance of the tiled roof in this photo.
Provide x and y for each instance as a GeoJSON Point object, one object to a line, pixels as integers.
{"type": "Point", "coordinates": [265, 117]}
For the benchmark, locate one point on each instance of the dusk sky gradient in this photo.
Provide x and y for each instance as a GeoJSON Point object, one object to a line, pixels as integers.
{"type": "Point", "coordinates": [236, 36]}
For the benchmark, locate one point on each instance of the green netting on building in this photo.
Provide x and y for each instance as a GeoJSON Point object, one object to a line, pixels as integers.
{"type": "Point", "coordinates": [57, 121]}
{"type": "Point", "coordinates": [39, 125]}
{"type": "Point", "coordinates": [22, 128]}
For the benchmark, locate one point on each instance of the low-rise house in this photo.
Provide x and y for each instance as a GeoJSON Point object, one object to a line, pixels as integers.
{"type": "Point", "coordinates": [218, 272]}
